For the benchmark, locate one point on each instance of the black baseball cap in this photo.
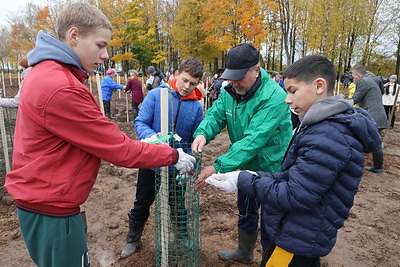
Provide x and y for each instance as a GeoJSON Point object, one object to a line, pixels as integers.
{"type": "Point", "coordinates": [239, 60]}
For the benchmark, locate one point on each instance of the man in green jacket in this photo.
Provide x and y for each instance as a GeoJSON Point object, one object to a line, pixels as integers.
{"type": "Point", "coordinates": [253, 108]}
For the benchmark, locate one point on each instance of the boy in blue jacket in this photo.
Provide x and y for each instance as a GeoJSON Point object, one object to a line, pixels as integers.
{"type": "Point", "coordinates": [185, 115]}
{"type": "Point", "coordinates": [305, 204]}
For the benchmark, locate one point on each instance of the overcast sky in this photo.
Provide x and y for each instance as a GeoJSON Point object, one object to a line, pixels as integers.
{"type": "Point", "coordinates": [11, 7]}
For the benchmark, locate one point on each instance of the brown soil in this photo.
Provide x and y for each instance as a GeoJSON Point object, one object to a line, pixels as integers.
{"type": "Point", "coordinates": [370, 236]}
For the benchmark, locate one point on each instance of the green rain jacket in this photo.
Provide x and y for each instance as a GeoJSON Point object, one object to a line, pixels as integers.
{"type": "Point", "coordinates": [259, 127]}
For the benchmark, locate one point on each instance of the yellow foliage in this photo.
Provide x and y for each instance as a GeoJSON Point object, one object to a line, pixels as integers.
{"type": "Point", "coordinates": [125, 56]}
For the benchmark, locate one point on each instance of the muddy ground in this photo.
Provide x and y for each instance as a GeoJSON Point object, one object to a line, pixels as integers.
{"type": "Point", "coordinates": [370, 236]}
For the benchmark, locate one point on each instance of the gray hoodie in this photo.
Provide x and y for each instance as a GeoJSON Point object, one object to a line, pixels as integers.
{"type": "Point", "coordinates": [325, 108]}
{"type": "Point", "coordinates": [49, 47]}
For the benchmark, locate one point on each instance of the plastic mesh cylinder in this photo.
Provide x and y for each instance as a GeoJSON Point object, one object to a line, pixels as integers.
{"type": "Point", "coordinates": [177, 218]}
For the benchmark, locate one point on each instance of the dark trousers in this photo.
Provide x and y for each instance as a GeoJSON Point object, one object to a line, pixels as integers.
{"type": "Point", "coordinates": [145, 195]}
{"type": "Point", "coordinates": [276, 256]}
{"type": "Point", "coordinates": [107, 106]}
{"type": "Point", "coordinates": [388, 110]}
{"type": "Point", "coordinates": [377, 155]}
{"type": "Point", "coordinates": [248, 212]}
{"type": "Point", "coordinates": [135, 109]}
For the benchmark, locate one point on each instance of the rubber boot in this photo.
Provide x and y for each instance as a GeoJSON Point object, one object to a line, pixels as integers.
{"type": "Point", "coordinates": [108, 115]}
{"type": "Point", "coordinates": [133, 237]}
{"type": "Point", "coordinates": [244, 252]}
{"type": "Point", "coordinates": [377, 158]}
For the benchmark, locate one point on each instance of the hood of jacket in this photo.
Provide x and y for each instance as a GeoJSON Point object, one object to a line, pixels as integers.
{"type": "Point", "coordinates": [49, 47]}
{"type": "Point", "coordinates": [325, 108]}
{"type": "Point", "coordinates": [194, 95]}
{"type": "Point", "coordinates": [338, 109]}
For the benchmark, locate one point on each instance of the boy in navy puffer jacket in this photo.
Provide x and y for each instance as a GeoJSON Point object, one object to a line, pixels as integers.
{"type": "Point", "coordinates": [305, 204]}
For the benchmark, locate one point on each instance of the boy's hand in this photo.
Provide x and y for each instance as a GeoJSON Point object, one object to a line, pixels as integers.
{"type": "Point", "coordinates": [198, 144]}
{"type": "Point", "coordinates": [150, 139]}
{"type": "Point", "coordinates": [185, 162]}
{"type": "Point", "coordinates": [224, 181]}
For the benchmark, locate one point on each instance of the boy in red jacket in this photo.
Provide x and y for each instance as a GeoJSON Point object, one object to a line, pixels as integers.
{"type": "Point", "coordinates": [61, 137]}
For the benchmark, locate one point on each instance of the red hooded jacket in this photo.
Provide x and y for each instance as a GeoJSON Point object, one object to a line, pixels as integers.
{"type": "Point", "coordinates": [61, 137]}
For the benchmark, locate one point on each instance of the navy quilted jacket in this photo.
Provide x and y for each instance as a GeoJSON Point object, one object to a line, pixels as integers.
{"type": "Point", "coordinates": [305, 204]}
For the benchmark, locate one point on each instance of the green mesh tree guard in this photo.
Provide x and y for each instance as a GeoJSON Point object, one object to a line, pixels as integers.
{"type": "Point", "coordinates": [177, 218]}
{"type": "Point", "coordinates": [7, 125]}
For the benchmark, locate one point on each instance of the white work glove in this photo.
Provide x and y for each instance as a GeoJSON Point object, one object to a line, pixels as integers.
{"type": "Point", "coordinates": [185, 162]}
{"type": "Point", "coordinates": [150, 139]}
{"type": "Point", "coordinates": [224, 181]}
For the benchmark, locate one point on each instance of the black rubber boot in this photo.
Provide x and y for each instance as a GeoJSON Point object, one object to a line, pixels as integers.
{"type": "Point", "coordinates": [377, 158]}
{"type": "Point", "coordinates": [244, 252]}
{"type": "Point", "coordinates": [133, 237]}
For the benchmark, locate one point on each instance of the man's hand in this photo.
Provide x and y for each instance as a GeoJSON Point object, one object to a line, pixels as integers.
{"type": "Point", "coordinates": [205, 173]}
{"type": "Point", "coordinates": [224, 181]}
{"type": "Point", "coordinates": [185, 162]}
{"type": "Point", "coordinates": [198, 144]}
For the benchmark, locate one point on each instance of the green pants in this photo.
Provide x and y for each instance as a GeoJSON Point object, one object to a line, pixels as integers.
{"type": "Point", "coordinates": [54, 241]}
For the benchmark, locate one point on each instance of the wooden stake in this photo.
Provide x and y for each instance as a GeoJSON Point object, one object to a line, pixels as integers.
{"type": "Point", "coordinates": [119, 82]}
{"type": "Point", "coordinates": [100, 96]}
{"type": "Point", "coordinates": [4, 140]}
{"type": "Point", "coordinates": [19, 80]}
{"type": "Point", "coordinates": [90, 84]}
{"type": "Point", "coordinates": [127, 106]}
{"type": "Point", "coordinates": [127, 102]}
{"type": "Point", "coordinates": [4, 87]}
{"type": "Point", "coordinates": [164, 181]}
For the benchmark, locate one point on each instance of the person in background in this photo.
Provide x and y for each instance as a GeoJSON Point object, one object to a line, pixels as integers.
{"type": "Point", "coordinates": [156, 78]}
{"type": "Point", "coordinates": [368, 96]}
{"type": "Point", "coordinates": [13, 102]}
{"type": "Point", "coordinates": [173, 75]}
{"type": "Point", "coordinates": [377, 79]}
{"type": "Point", "coordinates": [352, 90]}
{"type": "Point", "coordinates": [305, 203]}
{"type": "Point", "coordinates": [388, 98]}
{"type": "Point", "coordinates": [134, 86]}
{"type": "Point", "coordinates": [252, 107]}
{"type": "Point", "coordinates": [108, 86]}
{"type": "Point", "coordinates": [61, 137]}
{"type": "Point", "coordinates": [281, 80]}
{"type": "Point", "coordinates": [186, 114]}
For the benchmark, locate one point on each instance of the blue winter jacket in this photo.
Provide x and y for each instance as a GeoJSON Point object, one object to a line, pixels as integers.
{"type": "Point", "coordinates": [108, 86]}
{"type": "Point", "coordinates": [186, 114]}
{"type": "Point", "coordinates": [305, 204]}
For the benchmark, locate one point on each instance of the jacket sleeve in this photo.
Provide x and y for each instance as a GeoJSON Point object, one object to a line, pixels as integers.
{"type": "Point", "coordinates": [263, 126]}
{"type": "Point", "coordinates": [115, 85]}
{"type": "Point", "coordinates": [128, 86]}
{"type": "Point", "coordinates": [214, 121]}
{"type": "Point", "coordinates": [145, 119]}
{"type": "Point", "coordinates": [361, 90]}
{"type": "Point", "coordinates": [303, 185]}
{"type": "Point", "coordinates": [72, 116]}
{"type": "Point", "coordinates": [10, 102]}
